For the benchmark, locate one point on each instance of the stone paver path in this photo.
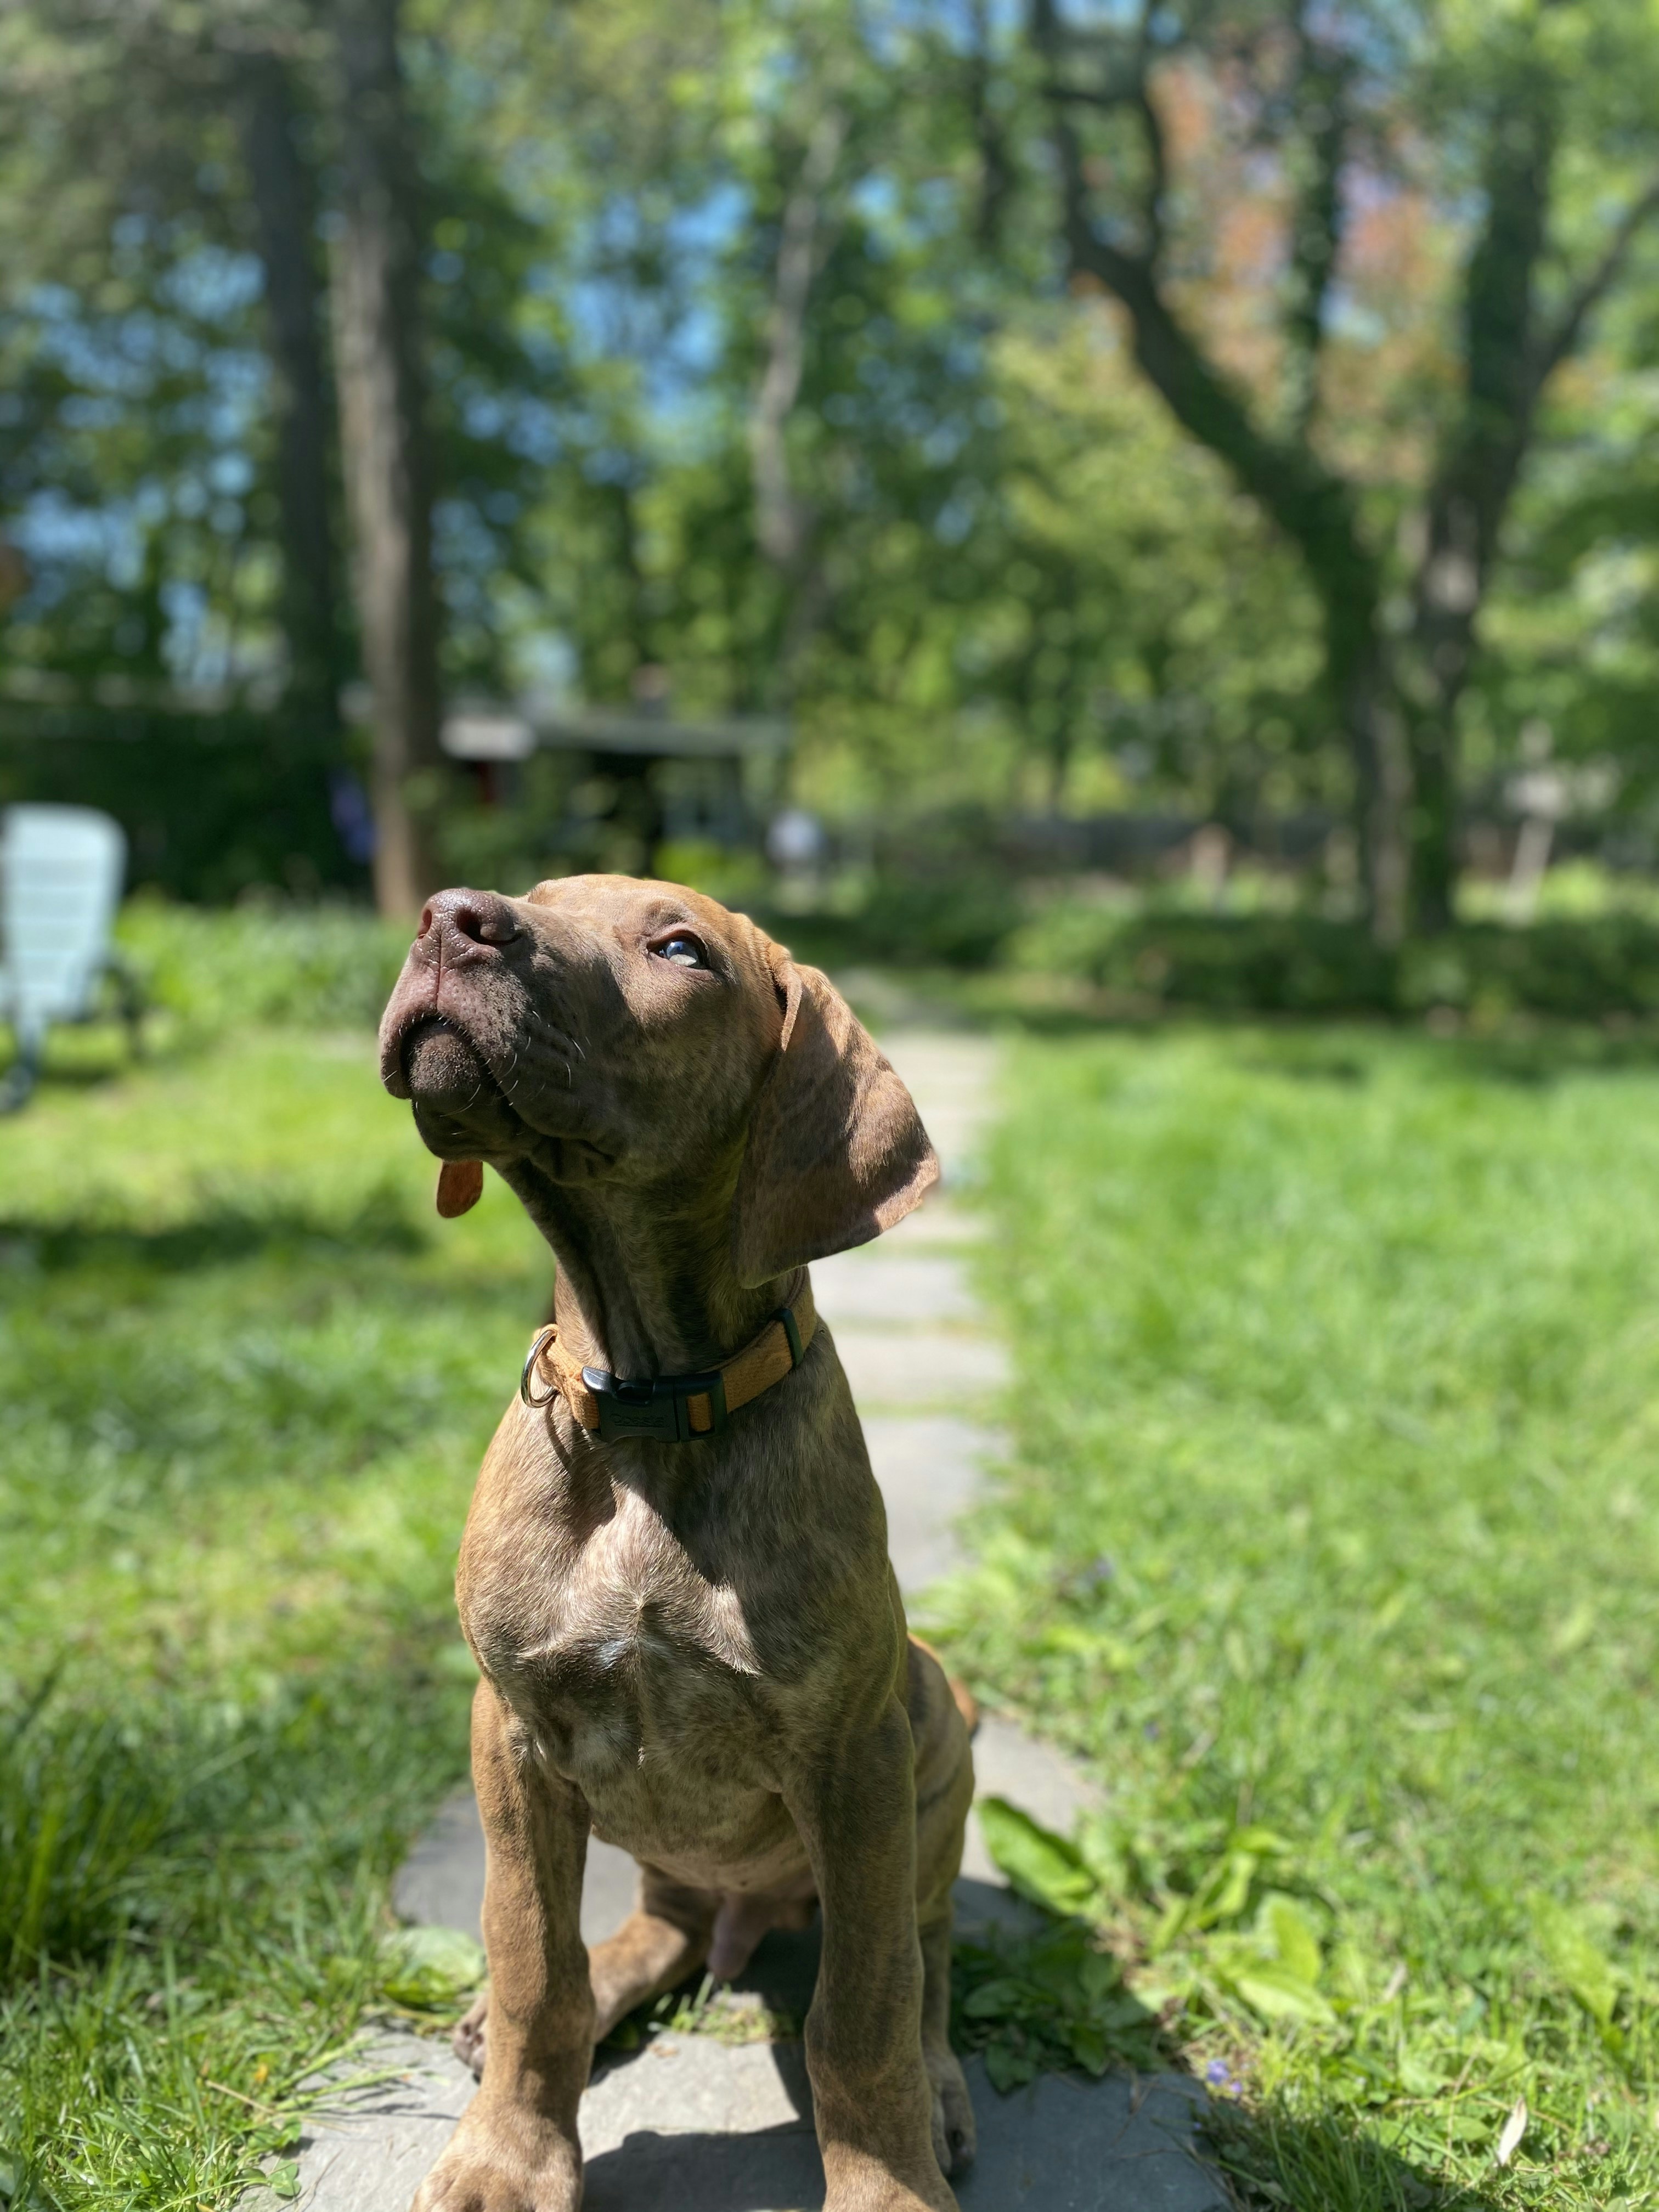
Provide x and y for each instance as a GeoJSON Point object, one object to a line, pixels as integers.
{"type": "Point", "coordinates": [692, 2124]}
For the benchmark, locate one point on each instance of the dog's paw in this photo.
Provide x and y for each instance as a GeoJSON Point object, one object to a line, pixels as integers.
{"type": "Point", "coordinates": [956, 2137]}
{"type": "Point", "coordinates": [510, 2159]}
{"type": "Point", "coordinates": [468, 2040]}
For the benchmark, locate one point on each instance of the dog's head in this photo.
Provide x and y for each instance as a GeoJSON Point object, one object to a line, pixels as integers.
{"type": "Point", "coordinates": [606, 1031]}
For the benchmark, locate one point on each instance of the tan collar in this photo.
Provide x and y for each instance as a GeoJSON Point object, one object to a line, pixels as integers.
{"type": "Point", "coordinates": [673, 1408]}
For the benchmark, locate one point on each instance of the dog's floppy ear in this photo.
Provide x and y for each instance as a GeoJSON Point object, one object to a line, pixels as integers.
{"type": "Point", "coordinates": [836, 1151]}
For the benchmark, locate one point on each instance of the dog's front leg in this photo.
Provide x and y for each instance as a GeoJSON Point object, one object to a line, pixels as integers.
{"type": "Point", "coordinates": [871, 2093]}
{"type": "Point", "coordinates": [516, 2149]}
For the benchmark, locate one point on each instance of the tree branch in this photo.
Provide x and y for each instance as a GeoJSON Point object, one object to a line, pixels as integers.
{"type": "Point", "coordinates": [1313, 507]}
{"type": "Point", "coordinates": [1322, 85]}
{"type": "Point", "coordinates": [1151, 198]}
{"type": "Point", "coordinates": [779, 514]}
{"type": "Point", "coordinates": [996, 168]}
{"type": "Point", "coordinates": [1563, 340]}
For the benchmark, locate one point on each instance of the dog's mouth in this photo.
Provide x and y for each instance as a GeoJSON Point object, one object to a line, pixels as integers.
{"type": "Point", "coordinates": [465, 1114]}
{"type": "Point", "coordinates": [444, 1072]}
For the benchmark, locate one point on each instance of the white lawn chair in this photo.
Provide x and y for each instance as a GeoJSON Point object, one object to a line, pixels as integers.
{"type": "Point", "coordinates": [61, 872]}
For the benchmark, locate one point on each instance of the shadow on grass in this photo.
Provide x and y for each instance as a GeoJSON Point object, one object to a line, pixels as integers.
{"type": "Point", "coordinates": [221, 1233]}
{"type": "Point", "coordinates": [128, 1820]}
{"type": "Point", "coordinates": [1273, 2158]}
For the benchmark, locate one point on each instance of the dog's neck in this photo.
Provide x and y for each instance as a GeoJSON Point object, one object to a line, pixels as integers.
{"type": "Point", "coordinates": [646, 1283]}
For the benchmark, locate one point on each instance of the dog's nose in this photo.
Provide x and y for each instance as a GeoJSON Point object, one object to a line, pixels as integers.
{"type": "Point", "coordinates": [483, 917]}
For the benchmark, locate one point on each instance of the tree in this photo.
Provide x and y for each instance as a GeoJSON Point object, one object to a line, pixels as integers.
{"type": "Point", "coordinates": [380, 371]}
{"type": "Point", "coordinates": [280, 193]}
{"type": "Point", "coordinates": [1485, 105]}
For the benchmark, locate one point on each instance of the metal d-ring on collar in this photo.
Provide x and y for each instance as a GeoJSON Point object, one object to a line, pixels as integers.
{"type": "Point", "coordinates": [544, 1337]}
{"type": "Point", "coordinates": [659, 1408]}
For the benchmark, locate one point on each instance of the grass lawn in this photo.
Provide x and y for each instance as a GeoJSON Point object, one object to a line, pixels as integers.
{"type": "Point", "coordinates": [246, 1377]}
{"type": "Point", "coordinates": [1329, 1539]}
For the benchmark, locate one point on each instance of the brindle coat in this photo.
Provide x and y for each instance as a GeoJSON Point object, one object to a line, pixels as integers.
{"type": "Point", "coordinates": [694, 1650]}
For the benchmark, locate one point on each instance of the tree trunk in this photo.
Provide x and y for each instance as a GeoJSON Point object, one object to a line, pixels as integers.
{"type": "Point", "coordinates": [1376, 732]}
{"type": "Point", "coordinates": [377, 345]}
{"type": "Point", "coordinates": [783, 519]}
{"type": "Point", "coordinates": [283, 211]}
{"type": "Point", "coordinates": [1440, 652]}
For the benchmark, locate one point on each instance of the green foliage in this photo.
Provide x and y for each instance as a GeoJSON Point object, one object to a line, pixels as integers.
{"type": "Point", "coordinates": [1045, 2003]}
{"type": "Point", "coordinates": [962, 916]}
{"type": "Point", "coordinates": [1039, 1864]}
{"type": "Point", "coordinates": [301, 966]}
{"type": "Point", "coordinates": [214, 807]}
{"type": "Point", "coordinates": [181, 1977]}
{"type": "Point", "coordinates": [432, 1969]}
{"type": "Point", "coordinates": [1303, 965]}
{"type": "Point", "coordinates": [1328, 1536]}
{"type": "Point", "coordinates": [1015, 582]}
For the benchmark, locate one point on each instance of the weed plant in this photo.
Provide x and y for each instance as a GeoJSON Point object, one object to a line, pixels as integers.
{"type": "Point", "coordinates": [1328, 1537]}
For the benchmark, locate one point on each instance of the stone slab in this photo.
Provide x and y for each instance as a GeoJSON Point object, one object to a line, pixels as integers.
{"type": "Point", "coordinates": [915, 1368]}
{"type": "Point", "coordinates": [870, 1285]}
{"type": "Point", "coordinates": [688, 2125]}
{"type": "Point", "coordinates": [930, 1467]}
{"type": "Point", "coordinates": [938, 1221]}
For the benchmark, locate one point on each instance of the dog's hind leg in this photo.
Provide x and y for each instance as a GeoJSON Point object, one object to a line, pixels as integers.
{"type": "Point", "coordinates": [955, 2136]}
{"type": "Point", "coordinates": [663, 1939]}
{"type": "Point", "coordinates": [940, 1724]}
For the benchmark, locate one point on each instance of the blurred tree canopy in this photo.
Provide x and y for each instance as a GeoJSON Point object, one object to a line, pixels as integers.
{"type": "Point", "coordinates": [1245, 404]}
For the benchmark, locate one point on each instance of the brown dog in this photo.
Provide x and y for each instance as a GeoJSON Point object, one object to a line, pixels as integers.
{"type": "Point", "coordinates": [690, 1637]}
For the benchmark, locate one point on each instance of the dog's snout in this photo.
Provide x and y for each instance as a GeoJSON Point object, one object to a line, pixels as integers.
{"type": "Point", "coordinates": [480, 917]}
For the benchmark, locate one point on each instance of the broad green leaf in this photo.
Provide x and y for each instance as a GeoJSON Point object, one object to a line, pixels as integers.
{"type": "Point", "coordinates": [430, 1968]}
{"type": "Point", "coordinates": [1264, 1842]}
{"type": "Point", "coordinates": [1008, 2069]}
{"type": "Point", "coordinates": [1039, 1864]}
{"type": "Point", "coordinates": [1289, 1927]}
{"type": "Point", "coordinates": [1576, 1957]}
{"type": "Point", "coordinates": [1099, 1974]}
{"type": "Point", "coordinates": [1171, 1923]}
{"type": "Point", "coordinates": [16, 2194]}
{"type": "Point", "coordinates": [1464, 2124]}
{"type": "Point", "coordinates": [1225, 1890]}
{"type": "Point", "coordinates": [1267, 1988]}
{"type": "Point", "coordinates": [994, 2000]}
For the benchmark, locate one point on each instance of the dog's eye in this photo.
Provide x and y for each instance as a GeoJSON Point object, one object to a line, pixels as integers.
{"type": "Point", "coordinates": [682, 950]}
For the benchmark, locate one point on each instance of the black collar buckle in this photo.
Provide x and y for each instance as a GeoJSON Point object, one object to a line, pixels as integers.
{"type": "Point", "coordinates": [660, 1409]}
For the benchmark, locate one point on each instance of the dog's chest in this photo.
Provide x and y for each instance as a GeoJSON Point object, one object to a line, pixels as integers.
{"type": "Point", "coordinates": [627, 1657]}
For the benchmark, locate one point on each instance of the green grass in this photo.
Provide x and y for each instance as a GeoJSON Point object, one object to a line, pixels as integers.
{"type": "Point", "coordinates": [247, 1376]}
{"type": "Point", "coordinates": [1330, 1538]}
